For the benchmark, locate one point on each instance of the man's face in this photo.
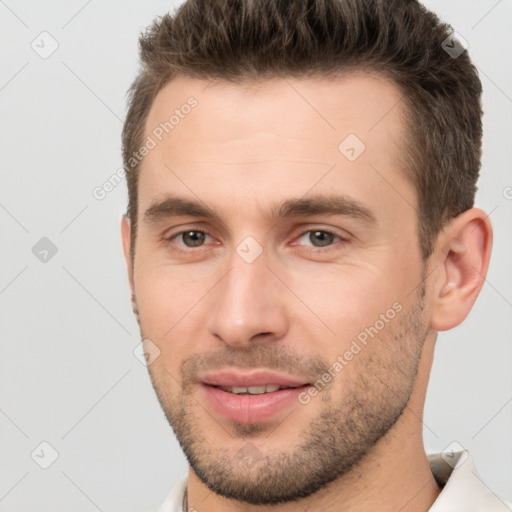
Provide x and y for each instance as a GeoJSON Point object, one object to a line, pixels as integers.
{"type": "Point", "coordinates": [300, 253]}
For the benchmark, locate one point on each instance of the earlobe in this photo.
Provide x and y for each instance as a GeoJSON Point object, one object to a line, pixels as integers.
{"type": "Point", "coordinates": [463, 257]}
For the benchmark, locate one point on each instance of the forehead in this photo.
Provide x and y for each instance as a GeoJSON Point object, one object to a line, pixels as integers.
{"type": "Point", "coordinates": [249, 139]}
{"type": "Point", "coordinates": [325, 109]}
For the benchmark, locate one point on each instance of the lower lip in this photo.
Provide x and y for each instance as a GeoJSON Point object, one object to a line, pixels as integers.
{"type": "Point", "coordinates": [246, 408]}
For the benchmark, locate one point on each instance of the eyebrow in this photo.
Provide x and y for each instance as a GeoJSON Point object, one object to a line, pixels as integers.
{"type": "Point", "coordinates": [325, 204]}
{"type": "Point", "coordinates": [320, 204]}
{"type": "Point", "coordinates": [173, 206]}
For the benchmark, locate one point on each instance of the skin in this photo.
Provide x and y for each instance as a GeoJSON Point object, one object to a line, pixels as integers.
{"type": "Point", "coordinates": [241, 151]}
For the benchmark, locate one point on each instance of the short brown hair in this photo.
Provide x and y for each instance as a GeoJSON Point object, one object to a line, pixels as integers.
{"type": "Point", "coordinates": [244, 40]}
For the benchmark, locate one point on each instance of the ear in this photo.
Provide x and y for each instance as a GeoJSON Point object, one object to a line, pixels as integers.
{"type": "Point", "coordinates": [125, 236]}
{"type": "Point", "coordinates": [462, 256]}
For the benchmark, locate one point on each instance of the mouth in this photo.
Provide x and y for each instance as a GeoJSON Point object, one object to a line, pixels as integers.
{"type": "Point", "coordinates": [251, 397]}
{"type": "Point", "coordinates": [254, 390]}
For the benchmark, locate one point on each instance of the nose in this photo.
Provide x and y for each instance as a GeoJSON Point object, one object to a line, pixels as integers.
{"type": "Point", "coordinates": [249, 305]}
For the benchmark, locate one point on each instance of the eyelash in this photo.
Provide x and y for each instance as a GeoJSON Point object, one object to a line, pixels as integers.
{"type": "Point", "coordinates": [311, 248]}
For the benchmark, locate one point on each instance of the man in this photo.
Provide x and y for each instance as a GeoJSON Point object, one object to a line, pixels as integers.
{"type": "Point", "coordinates": [301, 182]}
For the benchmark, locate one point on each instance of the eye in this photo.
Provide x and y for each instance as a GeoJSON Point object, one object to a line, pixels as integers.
{"type": "Point", "coordinates": [192, 238]}
{"type": "Point", "coordinates": [318, 238]}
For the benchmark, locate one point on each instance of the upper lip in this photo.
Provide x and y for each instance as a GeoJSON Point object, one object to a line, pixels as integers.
{"type": "Point", "coordinates": [238, 378]}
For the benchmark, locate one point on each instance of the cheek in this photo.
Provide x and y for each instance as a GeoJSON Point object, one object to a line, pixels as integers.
{"type": "Point", "coordinates": [154, 300]}
{"type": "Point", "coordinates": [349, 298]}
{"type": "Point", "coordinates": [169, 299]}
{"type": "Point", "coordinates": [366, 313]}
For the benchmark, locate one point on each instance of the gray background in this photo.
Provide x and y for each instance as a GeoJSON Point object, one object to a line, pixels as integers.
{"type": "Point", "coordinates": [68, 373]}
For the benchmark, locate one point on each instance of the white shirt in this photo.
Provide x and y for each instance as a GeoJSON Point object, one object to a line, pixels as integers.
{"type": "Point", "coordinates": [462, 489]}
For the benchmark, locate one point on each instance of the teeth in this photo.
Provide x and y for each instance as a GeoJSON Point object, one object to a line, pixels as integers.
{"type": "Point", "coordinates": [256, 390]}
{"type": "Point", "coordinates": [252, 390]}
{"type": "Point", "coordinates": [238, 390]}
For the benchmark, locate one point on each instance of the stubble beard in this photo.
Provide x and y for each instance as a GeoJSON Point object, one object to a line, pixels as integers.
{"type": "Point", "coordinates": [336, 440]}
